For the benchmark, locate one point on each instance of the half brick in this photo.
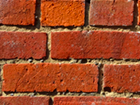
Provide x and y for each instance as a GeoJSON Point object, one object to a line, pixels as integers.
{"type": "Point", "coordinates": [121, 78]}
{"type": "Point", "coordinates": [17, 12]}
{"type": "Point", "coordinates": [22, 45]}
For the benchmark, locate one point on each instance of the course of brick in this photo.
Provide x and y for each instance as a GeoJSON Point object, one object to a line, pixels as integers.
{"type": "Point", "coordinates": [62, 12]}
{"type": "Point", "coordinates": [111, 12]}
{"type": "Point", "coordinates": [93, 100]}
{"type": "Point", "coordinates": [17, 12]}
{"type": "Point", "coordinates": [69, 52]}
{"type": "Point", "coordinates": [24, 100]}
{"type": "Point", "coordinates": [122, 78]}
{"type": "Point", "coordinates": [22, 45]}
{"type": "Point", "coordinates": [95, 44]}
{"type": "Point", "coordinates": [49, 77]}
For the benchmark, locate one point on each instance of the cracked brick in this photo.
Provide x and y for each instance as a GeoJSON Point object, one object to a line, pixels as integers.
{"type": "Point", "coordinates": [45, 77]}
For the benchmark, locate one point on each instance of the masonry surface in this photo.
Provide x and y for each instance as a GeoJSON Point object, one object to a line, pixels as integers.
{"type": "Point", "coordinates": [69, 52]}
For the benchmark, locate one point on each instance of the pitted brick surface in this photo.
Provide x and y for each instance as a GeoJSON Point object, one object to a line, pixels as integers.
{"type": "Point", "coordinates": [122, 78]}
{"type": "Point", "coordinates": [17, 12]}
{"type": "Point", "coordinates": [22, 45]}
{"type": "Point", "coordinates": [62, 12]}
{"type": "Point", "coordinates": [49, 77]}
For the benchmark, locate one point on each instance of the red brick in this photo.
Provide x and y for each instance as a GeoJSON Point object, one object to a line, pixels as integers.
{"type": "Point", "coordinates": [95, 44]}
{"type": "Point", "coordinates": [93, 100]}
{"type": "Point", "coordinates": [17, 12]}
{"type": "Point", "coordinates": [22, 45]}
{"type": "Point", "coordinates": [24, 100]}
{"type": "Point", "coordinates": [138, 12]}
{"type": "Point", "coordinates": [111, 12]}
{"type": "Point", "coordinates": [122, 78]}
{"type": "Point", "coordinates": [62, 12]}
{"type": "Point", "coordinates": [50, 77]}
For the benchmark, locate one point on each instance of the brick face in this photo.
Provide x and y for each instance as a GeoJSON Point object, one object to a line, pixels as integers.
{"type": "Point", "coordinates": [138, 12]}
{"type": "Point", "coordinates": [62, 12]}
{"type": "Point", "coordinates": [122, 78]}
{"type": "Point", "coordinates": [17, 12]}
{"type": "Point", "coordinates": [22, 45]}
{"type": "Point", "coordinates": [94, 101]}
{"type": "Point", "coordinates": [95, 44]}
{"type": "Point", "coordinates": [111, 12]}
{"type": "Point", "coordinates": [24, 100]}
{"type": "Point", "coordinates": [49, 77]}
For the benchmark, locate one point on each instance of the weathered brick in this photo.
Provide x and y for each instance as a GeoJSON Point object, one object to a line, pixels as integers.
{"type": "Point", "coordinates": [62, 12]}
{"type": "Point", "coordinates": [22, 45]}
{"type": "Point", "coordinates": [24, 100]}
{"type": "Point", "coordinates": [111, 12]}
{"type": "Point", "coordinates": [93, 100]}
{"type": "Point", "coordinates": [50, 77]}
{"type": "Point", "coordinates": [95, 44]}
{"type": "Point", "coordinates": [17, 12]}
{"type": "Point", "coordinates": [122, 78]}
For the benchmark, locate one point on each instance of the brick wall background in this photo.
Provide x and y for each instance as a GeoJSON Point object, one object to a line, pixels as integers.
{"type": "Point", "coordinates": [69, 52]}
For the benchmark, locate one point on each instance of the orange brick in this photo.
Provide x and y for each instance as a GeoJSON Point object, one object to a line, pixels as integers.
{"type": "Point", "coordinates": [122, 78]}
{"type": "Point", "coordinates": [138, 12]}
{"type": "Point", "coordinates": [62, 12]}
{"type": "Point", "coordinates": [24, 100]}
{"type": "Point", "coordinates": [17, 12]}
{"type": "Point", "coordinates": [49, 77]}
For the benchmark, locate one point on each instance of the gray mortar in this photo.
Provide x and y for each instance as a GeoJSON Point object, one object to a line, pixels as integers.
{"type": "Point", "coordinates": [101, 62]}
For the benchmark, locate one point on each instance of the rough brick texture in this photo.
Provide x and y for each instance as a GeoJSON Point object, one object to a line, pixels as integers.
{"type": "Point", "coordinates": [138, 12]}
{"type": "Point", "coordinates": [111, 12]}
{"type": "Point", "coordinates": [22, 45]}
{"type": "Point", "coordinates": [94, 101]}
{"type": "Point", "coordinates": [24, 100]}
{"type": "Point", "coordinates": [50, 77]}
{"type": "Point", "coordinates": [62, 12]}
{"type": "Point", "coordinates": [122, 78]}
{"type": "Point", "coordinates": [95, 44]}
{"type": "Point", "coordinates": [17, 12]}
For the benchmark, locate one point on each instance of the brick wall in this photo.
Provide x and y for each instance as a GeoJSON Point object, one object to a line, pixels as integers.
{"type": "Point", "coordinates": [69, 52]}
